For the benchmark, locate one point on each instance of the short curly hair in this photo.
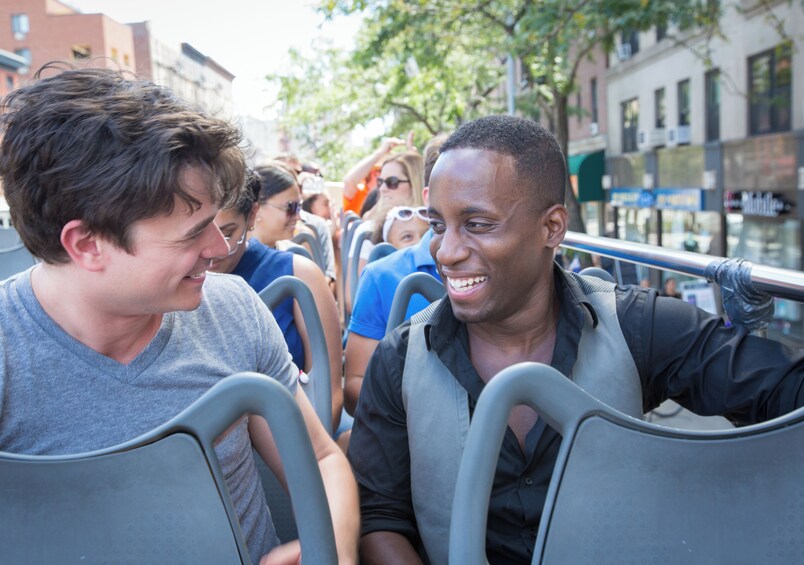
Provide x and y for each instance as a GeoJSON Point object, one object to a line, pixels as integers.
{"type": "Point", "coordinates": [96, 146]}
{"type": "Point", "coordinates": [539, 162]}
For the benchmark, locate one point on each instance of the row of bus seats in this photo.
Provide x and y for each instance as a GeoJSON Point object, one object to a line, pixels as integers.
{"type": "Point", "coordinates": [14, 257]}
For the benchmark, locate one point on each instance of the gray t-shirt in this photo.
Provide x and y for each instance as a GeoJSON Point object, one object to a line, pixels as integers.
{"type": "Point", "coordinates": [58, 396]}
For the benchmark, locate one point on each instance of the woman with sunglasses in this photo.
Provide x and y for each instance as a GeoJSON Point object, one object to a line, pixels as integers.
{"type": "Point", "coordinates": [260, 265]}
{"type": "Point", "coordinates": [279, 205]}
{"type": "Point", "coordinates": [400, 183]}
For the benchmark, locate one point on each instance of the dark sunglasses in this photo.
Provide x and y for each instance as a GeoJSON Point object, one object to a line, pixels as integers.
{"type": "Point", "coordinates": [291, 207]}
{"type": "Point", "coordinates": [391, 182]}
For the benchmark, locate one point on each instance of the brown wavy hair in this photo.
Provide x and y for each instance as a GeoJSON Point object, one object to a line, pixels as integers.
{"type": "Point", "coordinates": [97, 146]}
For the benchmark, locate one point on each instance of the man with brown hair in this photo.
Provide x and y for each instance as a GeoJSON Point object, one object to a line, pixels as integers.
{"type": "Point", "coordinates": [114, 185]}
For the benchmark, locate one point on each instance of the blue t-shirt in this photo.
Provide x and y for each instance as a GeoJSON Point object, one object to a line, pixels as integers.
{"type": "Point", "coordinates": [261, 265]}
{"type": "Point", "coordinates": [378, 283]}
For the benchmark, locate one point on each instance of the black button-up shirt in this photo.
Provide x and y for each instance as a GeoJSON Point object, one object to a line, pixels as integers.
{"type": "Point", "coordinates": [680, 352]}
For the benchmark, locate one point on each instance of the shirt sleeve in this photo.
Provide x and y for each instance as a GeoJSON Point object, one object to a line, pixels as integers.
{"type": "Point", "coordinates": [368, 314]}
{"type": "Point", "coordinates": [691, 356]}
{"type": "Point", "coordinates": [378, 448]}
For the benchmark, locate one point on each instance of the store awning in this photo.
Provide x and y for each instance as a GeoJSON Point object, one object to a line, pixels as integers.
{"type": "Point", "coordinates": [586, 173]}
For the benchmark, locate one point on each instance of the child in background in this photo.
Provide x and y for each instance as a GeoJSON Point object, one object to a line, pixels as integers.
{"type": "Point", "coordinates": [403, 226]}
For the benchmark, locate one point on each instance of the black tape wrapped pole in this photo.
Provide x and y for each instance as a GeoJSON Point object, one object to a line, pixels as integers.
{"type": "Point", "coordinates": [744, 304]}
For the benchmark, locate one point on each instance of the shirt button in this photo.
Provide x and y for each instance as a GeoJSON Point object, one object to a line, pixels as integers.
{"type": "Point", "coordinates": [528, 481]}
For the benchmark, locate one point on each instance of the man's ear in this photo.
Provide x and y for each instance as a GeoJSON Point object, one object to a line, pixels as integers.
{"type": "Point", "coordinates": [556, 221]}
{"type": "Point", "coordinates": [83, 246]}
{"type": "Point", "coordinates": [426, 195]}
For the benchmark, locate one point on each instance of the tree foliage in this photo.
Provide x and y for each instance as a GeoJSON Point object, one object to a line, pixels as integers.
{"type": "Point", "coordinates": [429, 65]}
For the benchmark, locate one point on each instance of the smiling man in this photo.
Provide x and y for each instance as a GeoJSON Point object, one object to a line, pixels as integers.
{"type": "Point", "coordinates": [497, 214]}
{"type": "Point", "coordinates": [114, 185]}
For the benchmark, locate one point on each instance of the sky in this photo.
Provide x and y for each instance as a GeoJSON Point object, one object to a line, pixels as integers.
{"type": "Point", "coordinates": [249, 38]}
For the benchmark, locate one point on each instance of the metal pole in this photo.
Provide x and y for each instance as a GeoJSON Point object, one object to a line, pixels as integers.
{"type": "Point", "coordinates": [781, 283]}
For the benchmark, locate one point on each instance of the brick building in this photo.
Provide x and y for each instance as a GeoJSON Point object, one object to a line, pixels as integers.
{"type": "Point", "coordinates": [47, 30]}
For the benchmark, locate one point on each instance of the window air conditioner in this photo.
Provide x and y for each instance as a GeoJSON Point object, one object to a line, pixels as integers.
{"type": "Point", "coordinates": [671, 136]}
{"type": "Point", "coordinates": [593, 128]}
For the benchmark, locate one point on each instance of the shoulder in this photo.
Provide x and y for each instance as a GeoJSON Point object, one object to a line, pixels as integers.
{"type": "Point", "coordinates": [227, 291]}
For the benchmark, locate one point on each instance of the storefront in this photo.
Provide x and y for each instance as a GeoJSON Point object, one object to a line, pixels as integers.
{"type": "Point", "coordinates": [760, 209]}
{"type": "Point", "coordinates": [630, 210]}
{"type": "Point", "coordinates": [586, 173]}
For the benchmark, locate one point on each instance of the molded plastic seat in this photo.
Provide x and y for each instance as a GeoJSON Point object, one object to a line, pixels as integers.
{"type": "Point", "coordinates": [415, 283]}
{"type": "Point", "coordinates": [160, 497]}
{"type": "Point", "coordinates": [318, 387]}
{"type": "Point", "coordinates": [14, 256]}
{"type": "Point", "coordinates": [354, 263]}
{"type": "Point", "coordinates": [315, 246]}
{"type": "Point", "coordinates": [626, 491]}
{"type": "Point", "coordinates": [381, 250]}
{"type": "Point", "coordinates": [299, 250]}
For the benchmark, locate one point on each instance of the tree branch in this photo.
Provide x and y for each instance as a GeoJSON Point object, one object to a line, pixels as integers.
{"type": "Point", "coordinates": [415, 113]}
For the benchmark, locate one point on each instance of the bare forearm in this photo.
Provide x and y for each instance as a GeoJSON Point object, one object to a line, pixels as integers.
{"type": "Point", "coordinates": [351, 393]}
{"type": "Point", "coordinates": [387, 548]}
{"type": "Point", "coordinates": [341, 490]}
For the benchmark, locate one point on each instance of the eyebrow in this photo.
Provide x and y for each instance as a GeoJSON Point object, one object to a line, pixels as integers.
{"type": "Point", "coordinates": [199, 227]}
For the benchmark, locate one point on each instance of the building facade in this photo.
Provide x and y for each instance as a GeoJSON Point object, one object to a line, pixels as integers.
{"type": "Point", "coordinates": [186, 71]}
{"type": "Point", "coordinates": [41, 31]}
{"type": "Point", "coordinates": [706, 140]}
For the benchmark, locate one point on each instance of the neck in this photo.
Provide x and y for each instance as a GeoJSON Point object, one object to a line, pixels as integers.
{"type": "Point", "coordinates": [70, 300]}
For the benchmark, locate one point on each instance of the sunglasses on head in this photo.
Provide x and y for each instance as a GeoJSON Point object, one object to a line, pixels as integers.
{"type": "Point", "coordinates": [391, 182]}
{"type": "Point", "coordinates": [403, 213]}
{"type": "Point", "coordinates": [291, 207]}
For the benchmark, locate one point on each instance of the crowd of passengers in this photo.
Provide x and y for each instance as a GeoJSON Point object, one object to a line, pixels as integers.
{"type": "Point", "coordinates": [154, 238]}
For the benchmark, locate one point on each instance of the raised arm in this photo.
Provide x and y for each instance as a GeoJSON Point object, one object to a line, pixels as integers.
{"type": "Point", "coordinates": [362, 168]}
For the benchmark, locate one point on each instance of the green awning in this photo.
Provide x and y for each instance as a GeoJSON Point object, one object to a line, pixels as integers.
{"type": "Point", "coordinates": [587, 168]}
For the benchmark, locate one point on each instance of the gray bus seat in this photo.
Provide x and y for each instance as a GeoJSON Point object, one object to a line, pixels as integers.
{"type": "Point", "coordinates": [626, 491]}
{"type": "Point", "coordinates": [315, 246]}
{"type": "Point", "coordinates": [161, 496]}
{"type": "Point", "coordinates": [381, 250]}
{"type": "Point", "coordinates": [415, 283]}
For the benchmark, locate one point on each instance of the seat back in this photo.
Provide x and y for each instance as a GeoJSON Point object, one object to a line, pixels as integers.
{"type": "Point", "coordinates": [14, 256]}
{"type": "Point", "coordinates": [354, 263]}
{"type": "Point", "coordinates": [315, 246]}
{"type": "Point", "coordinates": [626, 491]}
{"type": "Point", "coordinates": [318, 387]}
{"type": "Point", "coordinates": [415, 283]}
{"type": "Point", "coordinates": [160, 497]}
{"type": "Point", "coordinates": [351, 222]}
{"type": "Point", "coordinates": [299, 250]}
{"type": "Point", "coordinates": [381, 250]}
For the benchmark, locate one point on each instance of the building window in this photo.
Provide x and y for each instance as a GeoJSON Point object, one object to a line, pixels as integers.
{"type": "Point", "coordinates": [20, 26]}
{"type": "Point", "coordinates": [631, 39]}
{"type": "Point", "coordinates": [81, 52]}
{"type": "Point", "coordinates": [579, 105]}
{"type": "Point", "coordinates": [770, 75]}
{"type": "Point", "coordinates": [25, 53]}
{"type": "Point", "coordinates": [658, 103]}
{"type": "Point", "coordinates": [126, 60]}
{"type": "Point", "coordinates": [661, 30]}
{"type": "Point", "coordinates": [712, 104]}
{"type": "Point", "coordinates": [630, 123]}
{"type": "Point", "coordinates": [115, 55]}
{"type": "Point", "coordinates": [593, 98]}
{"type": "Point", "coordinates": [684, 103]}
{"type": "Point", "coordinates": [9, 83]}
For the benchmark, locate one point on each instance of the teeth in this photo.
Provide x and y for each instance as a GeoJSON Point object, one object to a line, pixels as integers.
{"type": "Point", "coordinates": [197, 275]}
{"type": "Point", "coordinates": [465, 284]}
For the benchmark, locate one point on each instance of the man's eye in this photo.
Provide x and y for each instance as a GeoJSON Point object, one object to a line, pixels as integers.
{"type": "Point", "coordinates": [437, 227]}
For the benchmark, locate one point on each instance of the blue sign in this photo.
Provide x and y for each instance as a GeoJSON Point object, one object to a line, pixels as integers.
{"type": "Point", "coordinates": [689, 199]}
{"type": "Point", "coordinates": [631, 198]}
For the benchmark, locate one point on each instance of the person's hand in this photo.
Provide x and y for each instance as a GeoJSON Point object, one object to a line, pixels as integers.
{"type": "Point", "coordinates": [409, 141]}
{"type": "Point", "coordinates": [285, 554]}
{"type": "Point", "coordinates": [389, 143]}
